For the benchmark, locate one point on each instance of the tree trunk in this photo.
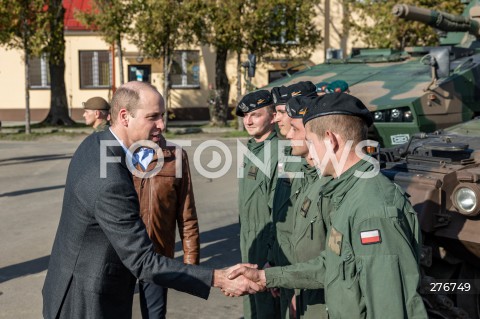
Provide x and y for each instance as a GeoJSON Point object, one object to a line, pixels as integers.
{"type": "Point", "coordinates": [58, 114]}
{"type": "Point", "coordinates": [240, 126]}
{"type": "Point", "coordinates": [167, 63]}
{"type": "Point", "coordinates": [346, 28]}
{"type": "Point", "coordinates": [27, 67]}
{"type": "Point", "coordinates": [222, 89]}
{"type": "Point", "coordinates": [27, 91]}
{"type": "Point", "coordinates": [120, 59]}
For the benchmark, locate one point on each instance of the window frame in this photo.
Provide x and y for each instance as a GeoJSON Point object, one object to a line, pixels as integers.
{"type": "Point", "coordinates": [184, 74]}
{"type": "Point", "coordinates": [44, 73]}
{"type": "Point", "coordinates": [97, 80]}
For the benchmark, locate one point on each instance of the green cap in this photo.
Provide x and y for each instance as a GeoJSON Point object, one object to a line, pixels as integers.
{"type": "Point", "coordinates": [96, 103]}
{"type": "Point", "coordinates": [337, 86]}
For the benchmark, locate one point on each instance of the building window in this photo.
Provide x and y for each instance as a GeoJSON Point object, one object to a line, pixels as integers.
{"type": "Point", "coordinates": [38, 73]}
{"type": "Point", "coordinates": [95, 69]}
{"type": "Point", "coordinates": [185, 71]}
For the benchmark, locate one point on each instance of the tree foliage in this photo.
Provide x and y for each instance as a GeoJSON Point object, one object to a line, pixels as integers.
{"type": "Point", "coordinates": [262, 27]}
{"type": "Point", "coordinates": [112, 18]}
{"type": "Point", "coordinates": [20, 20]}
{"type": "Point", "coordinates": [36, 27]}
{"type": "Point", "coordinates": [161, 26]}
{"type": "Point", "coordinates": [374, 23]}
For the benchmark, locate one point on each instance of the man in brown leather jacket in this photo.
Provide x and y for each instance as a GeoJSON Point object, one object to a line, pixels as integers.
{"type": "Point", "coordinates": [166, 200]}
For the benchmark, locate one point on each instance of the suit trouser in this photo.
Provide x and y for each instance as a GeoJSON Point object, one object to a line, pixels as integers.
{"type": "Point", "coordinates": [153, 300]}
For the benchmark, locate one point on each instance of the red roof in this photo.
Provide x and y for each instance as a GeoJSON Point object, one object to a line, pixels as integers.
{"type": "Point", "coordinates": [71, 6]}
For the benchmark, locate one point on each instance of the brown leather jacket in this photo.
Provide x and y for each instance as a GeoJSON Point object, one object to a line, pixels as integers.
{"type": "Point", "coordinates": [167, 201]}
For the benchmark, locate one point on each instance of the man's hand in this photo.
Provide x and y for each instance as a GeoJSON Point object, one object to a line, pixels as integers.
{"type": "Point", "coordinates": [255, 275]}
{"type": "Point", "coordinates": [238, 286]}
{"type": "Point", "coordinates": [293, 307]}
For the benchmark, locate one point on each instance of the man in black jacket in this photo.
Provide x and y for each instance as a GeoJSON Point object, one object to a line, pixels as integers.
{"type": "Point", "coordinates": [101, 246]}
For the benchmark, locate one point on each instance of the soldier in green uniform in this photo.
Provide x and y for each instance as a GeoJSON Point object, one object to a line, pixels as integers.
{"type": "Point", "coordinates": [258, 178]}
{"type": "Point", "coordinates": [97, 113]}
{"type": "Point", "coordinates": [309, 227]}
{"type": "Point", "coordinates": [290, 178]}
{"type": "Point", "coordinates": [369, 267]}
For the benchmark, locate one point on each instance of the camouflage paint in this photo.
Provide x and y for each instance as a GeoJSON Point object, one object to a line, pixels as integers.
{"type": "Point", "coordinates": [451, 239]}
{"type": "Point", "coordinates": [386, 79]}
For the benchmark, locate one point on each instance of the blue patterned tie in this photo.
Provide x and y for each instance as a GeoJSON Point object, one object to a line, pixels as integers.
{"type": "Point", "coordinates": [143, 156]}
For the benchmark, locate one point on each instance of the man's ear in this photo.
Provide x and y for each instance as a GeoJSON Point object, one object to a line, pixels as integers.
{"type": "Point", "coordinates": [97, 114]}
{"type": "Point", "coordinates": [333, 139]}
{"type": "Point", "coordinates": [123, 116]}
{"type": "Point", "coordinates": [272, 120]}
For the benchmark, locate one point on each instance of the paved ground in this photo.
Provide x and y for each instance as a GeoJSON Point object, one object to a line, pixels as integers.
{"type": "Point", "coordinates": [32, 180]}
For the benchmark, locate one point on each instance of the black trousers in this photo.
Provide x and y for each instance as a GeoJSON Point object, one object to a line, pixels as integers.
{"type": "Point", "coordinates": [153, 300]}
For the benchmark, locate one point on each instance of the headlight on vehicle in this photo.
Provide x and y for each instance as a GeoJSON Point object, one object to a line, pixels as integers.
{"type": "Point", "coordinates": [408, 116]}
{"type": "Point", "coordinates": [399, 114]}
{"type": "Point", "coordinates": [396, 115]}
{"type": "Point", "coordinates": [379, 116]}
{"type": "Point", "coordinates": [466, 198]}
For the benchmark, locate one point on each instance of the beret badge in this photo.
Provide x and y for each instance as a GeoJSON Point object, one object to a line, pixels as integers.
{"type": "Point", "coordinates": [243, 107]}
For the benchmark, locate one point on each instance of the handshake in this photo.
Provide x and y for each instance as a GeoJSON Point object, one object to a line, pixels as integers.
{"type": "Point", "coordinates": [240, 280]}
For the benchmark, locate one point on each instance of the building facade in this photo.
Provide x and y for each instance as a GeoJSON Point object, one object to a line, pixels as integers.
{"type": "Point", "coordinates": [92, 70]}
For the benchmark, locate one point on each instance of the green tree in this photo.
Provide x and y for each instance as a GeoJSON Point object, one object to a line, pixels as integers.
{"type": "Point", "coordinates": [36, 27]}
{"type": "Point", "coordinates": [262, 27]}
{"type": "Point", "coordinates": [55, 49]}
{"type": "Point", "coordinates": [112, 18]}
{"type": "Point", "coordinates": [379, 28]}
{"type": "Point", "coordinates": [160, 26]}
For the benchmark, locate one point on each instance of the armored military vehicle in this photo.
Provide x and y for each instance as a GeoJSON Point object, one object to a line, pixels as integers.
{"type": "Point", "coordinates": [441, 173]}
{"type": "Point", "coordinates": [421, 89]}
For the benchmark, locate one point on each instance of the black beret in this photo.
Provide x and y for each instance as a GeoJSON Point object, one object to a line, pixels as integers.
{"type": "Point", "coordinates": [297, 106]}
{"type": "Point", "coordinates": [337, 104]}
{"type": "Point", "coordinates": [252, 101]}
{"type": "Point", "coordinates": [281, 94]}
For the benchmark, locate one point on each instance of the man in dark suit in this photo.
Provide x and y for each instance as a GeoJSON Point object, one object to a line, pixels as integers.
{"type": "Point", "coordinates": [101, 246]}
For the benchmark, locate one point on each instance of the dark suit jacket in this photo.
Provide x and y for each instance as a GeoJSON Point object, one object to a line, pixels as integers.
{"type": "Point", "coordinates": [101, 245]}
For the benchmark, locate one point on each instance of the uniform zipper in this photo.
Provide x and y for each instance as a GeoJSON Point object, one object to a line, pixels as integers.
{"type": "Point", "coordinates": [311, 227]}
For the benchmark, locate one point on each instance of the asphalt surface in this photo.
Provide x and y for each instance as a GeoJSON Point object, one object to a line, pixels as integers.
{"type": "Point", "coordinates": [32, 181]}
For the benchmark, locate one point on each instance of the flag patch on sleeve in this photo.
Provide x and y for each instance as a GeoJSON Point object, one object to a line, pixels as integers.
{"type": "Point", "coordinates": [370, 237]}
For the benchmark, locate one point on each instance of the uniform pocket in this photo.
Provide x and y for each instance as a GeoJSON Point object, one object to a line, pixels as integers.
{"type": "Point", "coordinates": [344, 287]}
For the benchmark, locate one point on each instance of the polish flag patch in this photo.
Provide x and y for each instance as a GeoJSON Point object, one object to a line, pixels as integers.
{"type": "Point", "coordinates": [370, 237]}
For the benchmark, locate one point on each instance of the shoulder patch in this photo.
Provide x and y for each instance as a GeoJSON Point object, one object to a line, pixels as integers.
{"type": "Point", "coordinates": [370, 237]}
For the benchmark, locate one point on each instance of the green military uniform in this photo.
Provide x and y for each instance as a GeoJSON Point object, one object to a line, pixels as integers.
{"type": "Point", "coordinates": [286, 193]}
{"type": "Point", "coordinates": [256, 191]}
{"type": "Point", "coordinates": [102, 126]}
{"type": "Point", "coordinates": [308, 240]}
{"type": "Point", "coordinates": [370, 266]}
